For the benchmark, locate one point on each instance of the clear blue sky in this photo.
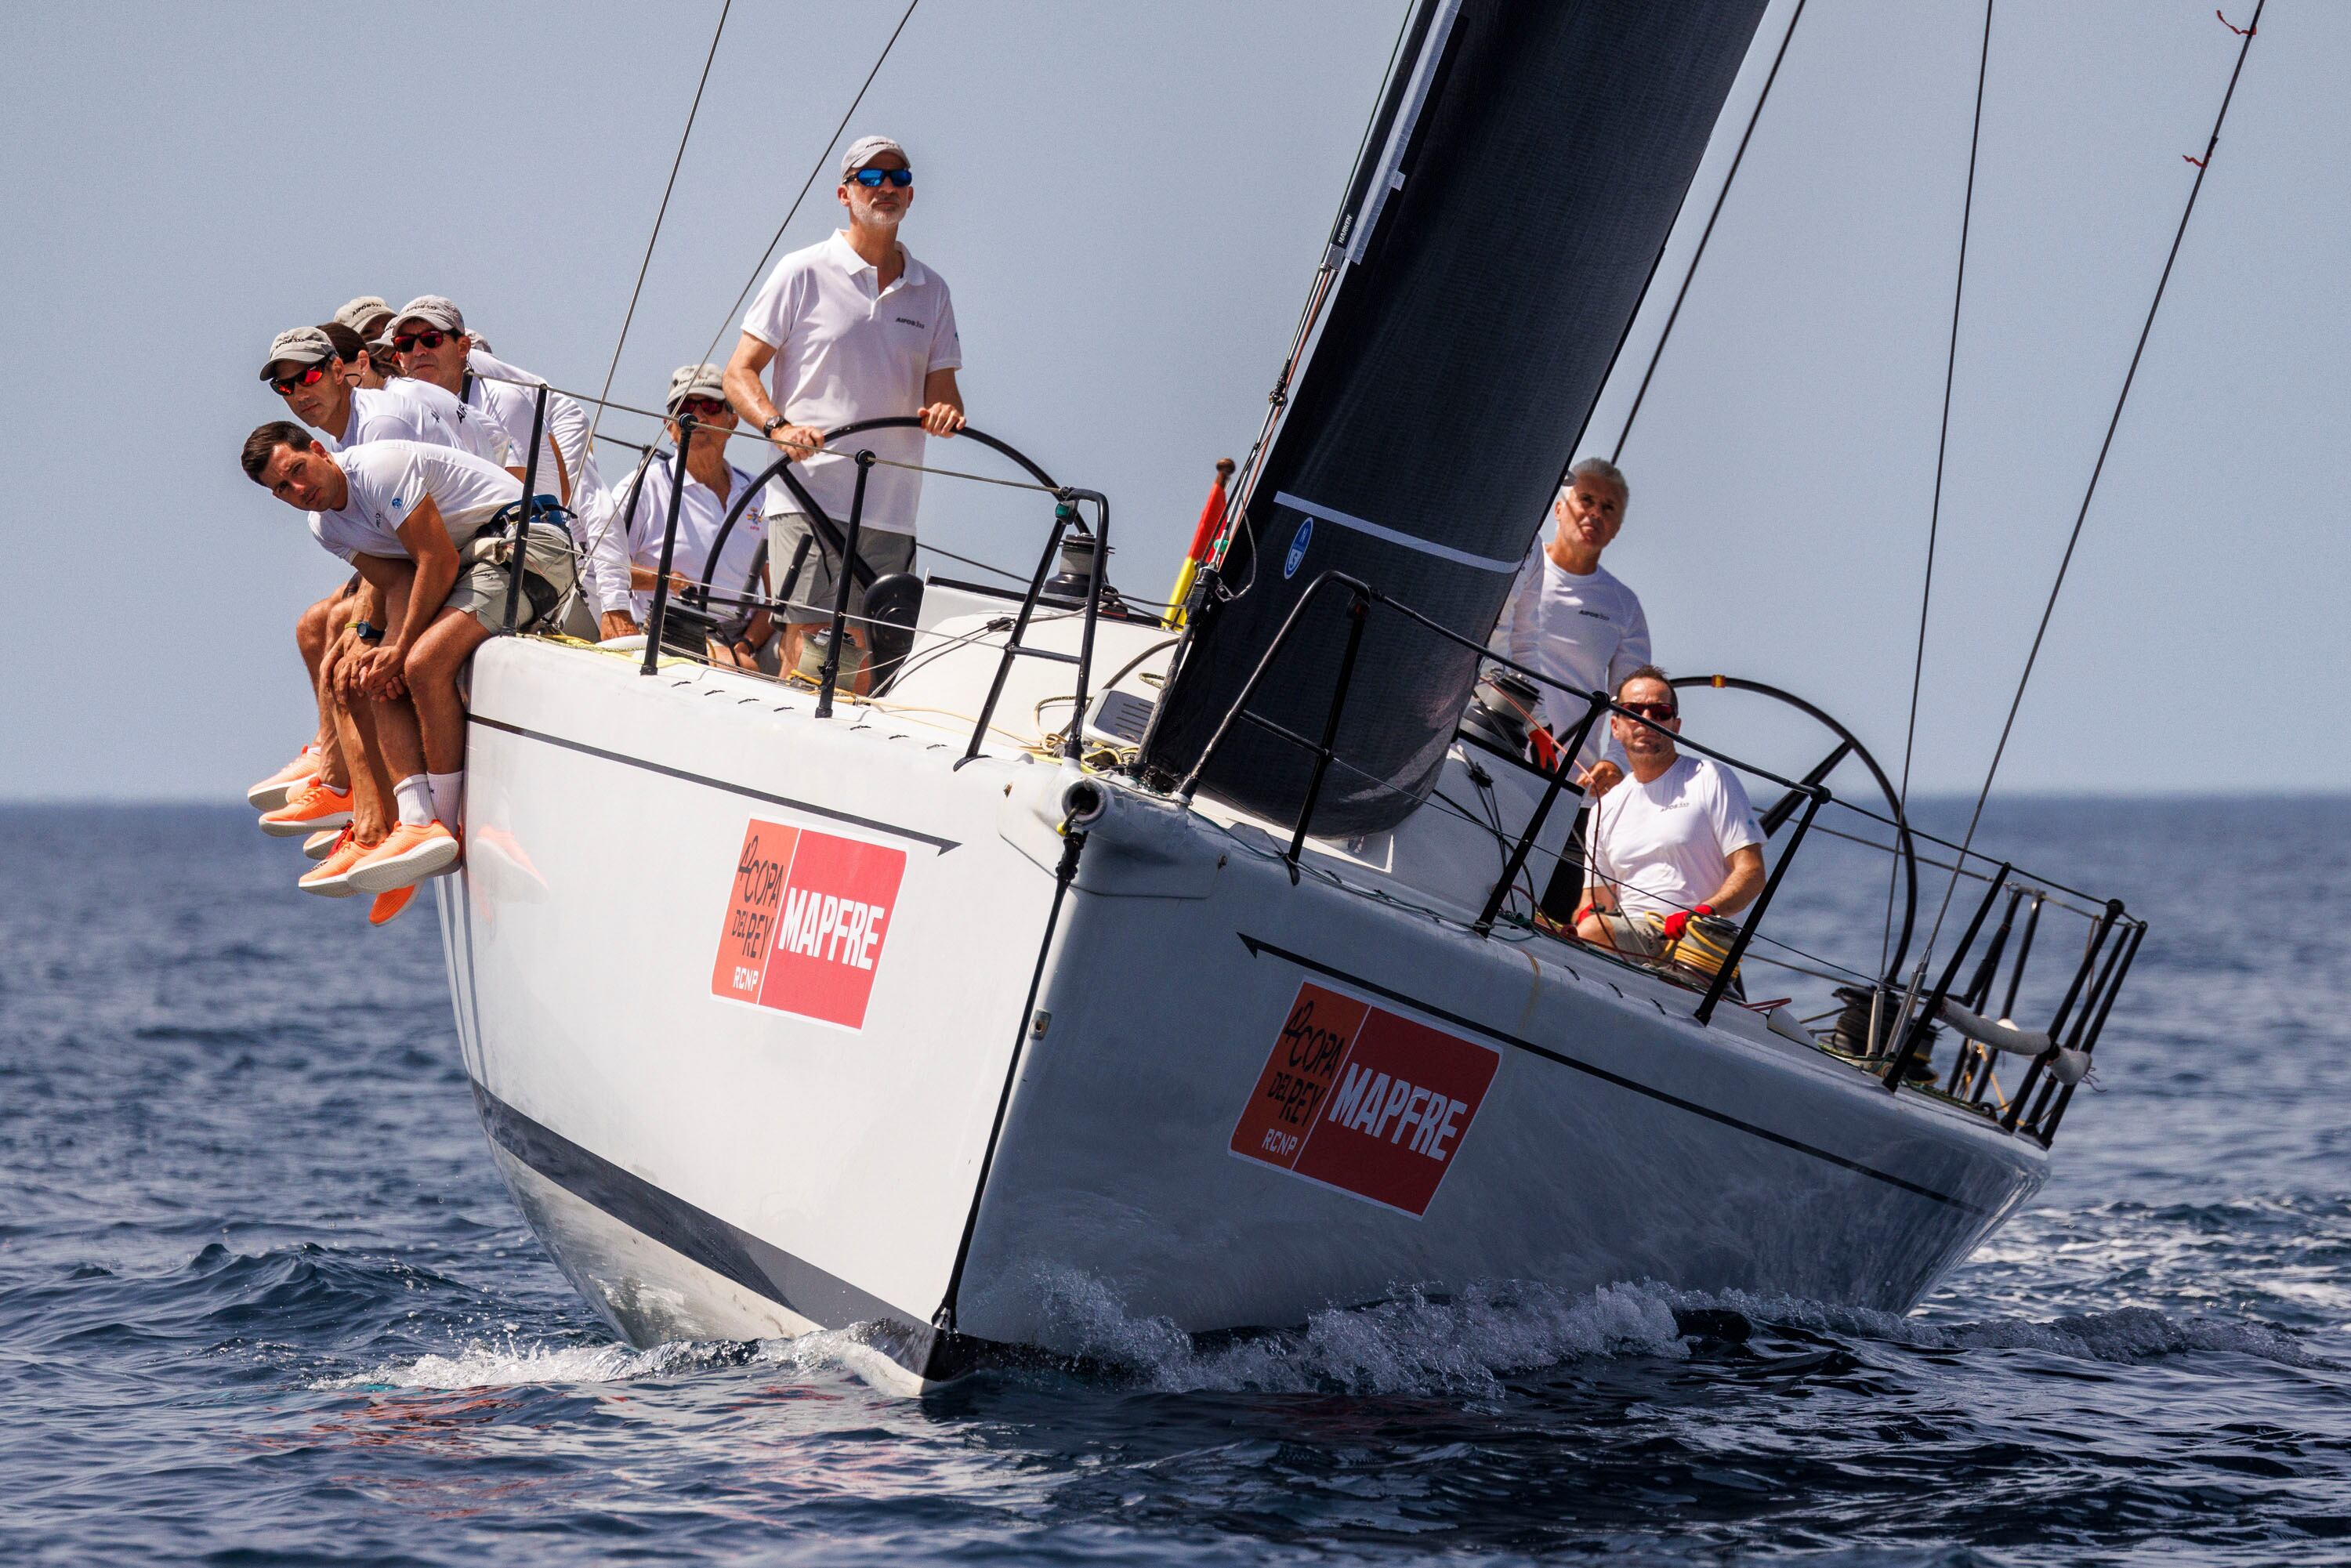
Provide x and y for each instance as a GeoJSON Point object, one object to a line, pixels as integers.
{"type": "Point", "coordinates": [1128, 201]}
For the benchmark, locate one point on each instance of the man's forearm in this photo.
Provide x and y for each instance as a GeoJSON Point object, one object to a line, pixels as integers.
{"type": "Point", "coordinates": [749, 396]}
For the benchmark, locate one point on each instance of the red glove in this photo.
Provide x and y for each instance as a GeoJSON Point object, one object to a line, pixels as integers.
{"type": "Point", "coordinates": [1678, 920]}
{"type": "Point", "coordinates": [1544, 747]}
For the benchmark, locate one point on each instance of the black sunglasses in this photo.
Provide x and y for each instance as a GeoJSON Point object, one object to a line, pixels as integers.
{"type": "Point", "coordinates": [702, 408]}
{"type": "Point", "coordinates": [1658, 713]}
{"type": "Point", "coordinates": [433, 339]}
{"type": "Point", "coordinates": [870, 178]}
{"type": "Point", "coordinates": [308, 377]}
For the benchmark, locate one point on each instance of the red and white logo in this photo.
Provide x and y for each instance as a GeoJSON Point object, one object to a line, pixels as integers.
{"type": "Point", "coordinates": [807, 920]}
{"type": "Point", "coordinates": [1362, 1099]}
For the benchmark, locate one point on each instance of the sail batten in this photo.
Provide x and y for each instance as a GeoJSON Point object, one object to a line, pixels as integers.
{"type": "Point", "coordinates": [1501, 237]}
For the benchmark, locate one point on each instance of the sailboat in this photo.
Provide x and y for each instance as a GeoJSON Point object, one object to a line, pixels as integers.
{"type": "Point", "coordinates": [1085, 947]}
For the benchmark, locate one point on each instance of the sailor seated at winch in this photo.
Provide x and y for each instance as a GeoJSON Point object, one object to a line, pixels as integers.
{"type": "Point", "coordinates": [426, 526]}
{"type": "Point", "coordinates": [1676, 842]}
{"type": "Point", "coordinates": [727, 631]}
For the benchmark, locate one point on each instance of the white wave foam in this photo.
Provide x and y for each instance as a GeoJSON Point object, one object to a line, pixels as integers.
{"type": "Point", "coordinates": [1414, 1343]}
{"type": "Point", "coordinates": [511, 1364]}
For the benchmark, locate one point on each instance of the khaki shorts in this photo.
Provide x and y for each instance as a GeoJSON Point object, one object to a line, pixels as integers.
{"type": "Point", "coordinates": [811, 597]}
{"type": "Point", "coordinates": [548, 577]}
{"type": "Point", "coordinates": [1635, 935]}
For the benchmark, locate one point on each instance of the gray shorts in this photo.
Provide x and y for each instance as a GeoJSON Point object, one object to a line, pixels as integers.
{"type": "Point", "coordinates": [480, 590]}
{"type": "Point", "coordinates": [811, 596]}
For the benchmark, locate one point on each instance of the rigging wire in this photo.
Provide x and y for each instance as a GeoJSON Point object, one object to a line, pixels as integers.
{"type": "Point", "coordinates": [1942, 446]}
{"type": "Point", "coordinates": [2105, 446]}
{"type": "Point", "coordinates": [1707, 233]}
{"type": "Point", "coordinates": [651, 240]}
{"type": "Point", "coordinates": [809, 183]}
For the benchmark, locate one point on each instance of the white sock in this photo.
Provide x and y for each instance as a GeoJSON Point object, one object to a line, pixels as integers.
{"type": "Point", "coordinates": [448, 789]}
{"type": "Point", "coordinates": [415, 797]}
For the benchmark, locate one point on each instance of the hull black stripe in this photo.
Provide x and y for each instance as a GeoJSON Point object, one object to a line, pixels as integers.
{"type": "Point", "coordinates": [1256, 947]}
{"type": "Point", "coordinates": [725, 1249]}
{"type": "Point", "coordinates": [813, 810]}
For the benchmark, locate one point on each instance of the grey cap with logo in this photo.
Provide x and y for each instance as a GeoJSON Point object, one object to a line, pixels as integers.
{"type": "Point", "coordinates": [695, 381]}
{"type": "Point", "coordinates": [866, 148]}
{"type": "Point", "coordinates": [434, 311]}
{"type": "Point", "coordinates": [299, 346]}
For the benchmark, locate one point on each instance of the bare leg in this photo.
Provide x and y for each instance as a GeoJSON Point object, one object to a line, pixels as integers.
{"type": "Point", "coordinates": [432, 671]}
{"type": "Point", "coordinates": [314, 635]}
{"type": "Point", "coordinates": [355, 730]}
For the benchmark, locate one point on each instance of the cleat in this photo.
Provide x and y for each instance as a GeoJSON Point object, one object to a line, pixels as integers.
{"type": "Point", "coordinates": [316, 807]}
{"type": "Point", "coordinates": [321, 844]}
{"type": "Point", "coordinates": [409, 856]}
{"type": "Point", "coordinates": [285, 783]}
{"type": "Point", "coordinates": [388, 906]}
{"type": "Point", "coordinates": [331, 877]}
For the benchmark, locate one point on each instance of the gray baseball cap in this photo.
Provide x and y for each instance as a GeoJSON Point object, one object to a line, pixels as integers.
{"type": "Point", "coordinates": [695, 381]}
{"type": "Point", "coordinates": [300, 345]}
{"type": "Point", "coordinates": [434, 311]}
{"type": "Point", "coordinates": [362, 310]}
{"type": "Point", "coordinates": [866, 148]}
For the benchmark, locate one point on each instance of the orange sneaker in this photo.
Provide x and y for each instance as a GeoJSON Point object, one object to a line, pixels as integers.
{"type": "Point", "coordinates": [285, 783]}
{"type": "Point", "coordinates": [331, 877]}
{"type": "Point", "coordinates": [322, 844]}
{"type": "Point", "coordinates": [388, 906]}
{"type": "Point", "coordinates": [409, 856]}
{"type": "Point", "coordinates": [316, 807]}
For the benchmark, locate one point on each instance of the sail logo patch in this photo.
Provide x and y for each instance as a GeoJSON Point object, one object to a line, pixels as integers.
{"type": "Point", "coordinates": [1298, 543]}
{"type": "Point", "coordinates": [1356, 1097]}
{"type": "Point", "coordinates": [807, 916]}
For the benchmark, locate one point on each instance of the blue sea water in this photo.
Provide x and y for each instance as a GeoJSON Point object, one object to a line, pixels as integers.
{"type": "Point", "coordinates": [263, 1298]}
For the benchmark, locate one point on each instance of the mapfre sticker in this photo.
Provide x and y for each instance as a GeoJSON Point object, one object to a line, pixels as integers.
{"type": "Point", "coordinates": [1365, 1100]}
{"type": "Point", "coordinates": [807, 920]}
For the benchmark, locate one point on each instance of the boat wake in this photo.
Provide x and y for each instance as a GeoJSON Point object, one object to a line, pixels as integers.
{"type": "Point", "coordinates": [1467, 1345]}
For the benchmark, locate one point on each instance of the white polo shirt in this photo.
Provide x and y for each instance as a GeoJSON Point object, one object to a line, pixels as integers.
{"type": "Point", "coordinates": [849, 350]}
{"type": "Point", "coordinates": [388, 479]}
{"type": "Point", "coordinates": [1666, 844]}
{"type": "Point", "coordinates": [383, 415]}
{"type": "Point", "coordinates": [477, 431]}
{"type": "Point", "coordinates": [699, 515]}
{"type": "Point", "coordinates": [1588, 631]}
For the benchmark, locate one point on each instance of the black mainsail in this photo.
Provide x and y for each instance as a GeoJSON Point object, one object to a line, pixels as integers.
{"type": "Point", "coordinates": [1500, 228]}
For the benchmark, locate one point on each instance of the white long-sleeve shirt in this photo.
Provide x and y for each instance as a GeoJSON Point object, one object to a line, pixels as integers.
{"type": "Point", "coordinates": [602, 545]}
{"type": "Point", "coordinates": [699, 517]}
{"type": "Point", "coordinates": [1588, 632]}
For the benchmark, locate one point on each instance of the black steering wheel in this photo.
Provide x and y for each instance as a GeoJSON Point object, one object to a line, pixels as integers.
{"type": "Point", "coordinates": [1848, 744]}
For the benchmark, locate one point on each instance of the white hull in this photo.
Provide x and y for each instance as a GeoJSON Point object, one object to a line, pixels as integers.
{"type": "Point", "coordinates": [706, 1167]}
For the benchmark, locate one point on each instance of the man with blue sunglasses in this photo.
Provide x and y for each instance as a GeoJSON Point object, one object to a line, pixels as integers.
{"type": "Point", "coordinates": [854, 327]}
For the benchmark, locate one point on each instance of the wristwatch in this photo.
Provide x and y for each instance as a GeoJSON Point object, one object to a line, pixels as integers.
{"type": "Point", "coordinates": [366, 632]}
{"type": "Point", "coordinates": [773, 423]}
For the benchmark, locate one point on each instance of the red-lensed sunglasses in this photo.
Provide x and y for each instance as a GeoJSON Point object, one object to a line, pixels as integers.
{"type": "Point", "coordinates": [705, 409]}
{"type": "Point", "coordinates": [406, 341]}
{"type": "Point", "coordinates": [309, 376]}
{"type": "Point", "coordinates": [1658, 713]}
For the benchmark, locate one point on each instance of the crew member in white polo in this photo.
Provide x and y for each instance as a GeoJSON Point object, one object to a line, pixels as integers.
{"type": "Point", "coordinates": [855, 328]}
{"type": "Point", "coordinates": [318, 377]}
{"type": "Point", "coordinates": [1675, 840]}
{"type": "Point", "coordinates": [393, 508]}
{"type": "Point", "coordinates": [712, 485]}
{"type": "Point", "coordinates": [429, 335]}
